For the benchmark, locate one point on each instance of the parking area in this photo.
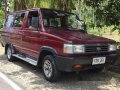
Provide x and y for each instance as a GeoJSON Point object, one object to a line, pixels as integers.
{"type": "Point", "coordinates": [31, 78]}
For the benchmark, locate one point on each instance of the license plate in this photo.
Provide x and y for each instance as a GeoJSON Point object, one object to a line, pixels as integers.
{"type": "Point", "coordinates": [98, 60]}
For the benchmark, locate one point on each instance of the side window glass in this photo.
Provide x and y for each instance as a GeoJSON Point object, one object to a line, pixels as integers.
{"type": "Point", "coordinates": [33, 20]}
{"type": "Point", "coordinates": [45, 22]}
{"type": "Point", "coordinates": [19, 20]}
{"type": "Point", "coordinates": [9, 21]}
{"type": "Point", "coordinates": [50, 19]}
{"type": "Point", "coordinates": [55, 22]}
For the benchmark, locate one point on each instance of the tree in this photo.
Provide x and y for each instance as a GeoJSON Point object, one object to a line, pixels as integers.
{"type": "Point", "coordinates": [37, 3]}
{"type": "Point", "coordinates": [1, 3]}
{"type": "Point", "coordinates": [107, 12]}
{"type": "Point", "coordinates": [4, 6]}
{"type": "Point", "coordinates": [112, 12]}
{"type": "Point", "coordinates": [65, 5]}
{"type": "Point", "coordinates": [19, 5]}
{"type": "Point", "coordinates": [96, 6]}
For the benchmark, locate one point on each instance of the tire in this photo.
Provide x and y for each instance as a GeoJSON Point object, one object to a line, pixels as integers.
{"type": "Point", "coordinates": [49, 69]}
{"type": "Point", "coordinates": [9, 54]}
{"type": "Point", "coordinates": [97, 70]}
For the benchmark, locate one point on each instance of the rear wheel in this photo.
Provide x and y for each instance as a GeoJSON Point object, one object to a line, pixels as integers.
{"type": "Point", "coordinates": [50, 70]}
{"type": "Point", "coordinates": [10, 54]}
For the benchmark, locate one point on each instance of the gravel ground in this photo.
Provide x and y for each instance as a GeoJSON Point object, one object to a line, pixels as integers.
{"type": "Point", "coordinates": [31, 78]}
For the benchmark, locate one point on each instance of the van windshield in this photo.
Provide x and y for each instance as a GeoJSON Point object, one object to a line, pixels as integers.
{"type": "Point", "coordinates": [62, 20]}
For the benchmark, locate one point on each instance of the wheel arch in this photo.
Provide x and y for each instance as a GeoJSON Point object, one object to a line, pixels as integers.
{"type": "Point", "coordinates": [6, 46]}
{"type": "Point", "coordinates": [45, 50]}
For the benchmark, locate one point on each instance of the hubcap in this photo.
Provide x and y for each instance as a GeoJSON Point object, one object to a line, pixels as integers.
{"type": "Point", "coordinates": [47, 68]}
{"type": "Point", "coordinates": [9, 53]}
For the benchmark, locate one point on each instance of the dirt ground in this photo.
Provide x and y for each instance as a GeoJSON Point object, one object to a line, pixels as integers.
{"type": "Point", "coordinates": [31, 77]}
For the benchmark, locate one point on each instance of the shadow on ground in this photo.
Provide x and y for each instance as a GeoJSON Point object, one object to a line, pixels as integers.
{"type": "Point", "coordinates": [116, 67]}
{"type": "Point", "coordinates": [84, 80]}
{"type": "Point", "coordinates": [68, 81]}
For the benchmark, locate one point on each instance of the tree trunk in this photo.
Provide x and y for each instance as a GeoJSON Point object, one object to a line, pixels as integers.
{"type": "Point", "coordinates": [19, 5]}
{"type": "Point", "coordinates": [65, 5]}
{"type": "Point", "coordinates": [5, 10]}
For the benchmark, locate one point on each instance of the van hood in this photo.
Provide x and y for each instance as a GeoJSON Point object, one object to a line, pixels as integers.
{"type": "Point", "coordinates": [77, 36]}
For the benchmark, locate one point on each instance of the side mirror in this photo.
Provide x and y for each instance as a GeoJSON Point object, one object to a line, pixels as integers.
{"type": "Point", "coordinates": [84, 27]}
{"type": "Point", "coordinates": [77, 17]}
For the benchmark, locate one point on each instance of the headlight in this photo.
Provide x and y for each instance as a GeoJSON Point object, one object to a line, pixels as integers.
{"type": "Point", "coordinates": [112, 47]}
{"type": "Point", "coordinates": [71, 49]}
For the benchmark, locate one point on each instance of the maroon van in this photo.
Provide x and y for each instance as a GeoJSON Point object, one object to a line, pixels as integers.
{"type": "Point", "coordinates": [56, 41]}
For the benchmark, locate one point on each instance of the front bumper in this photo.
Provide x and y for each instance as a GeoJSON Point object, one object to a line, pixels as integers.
{"type": "Point", "coordinates": [67, 63]}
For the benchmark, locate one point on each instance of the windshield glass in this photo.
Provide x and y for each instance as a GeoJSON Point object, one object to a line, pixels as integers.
{"type": "Point", "coordinates": [62, 20]}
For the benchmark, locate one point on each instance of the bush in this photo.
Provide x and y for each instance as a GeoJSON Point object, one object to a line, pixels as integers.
{"type": "Point", "coordinates": [104, 30]}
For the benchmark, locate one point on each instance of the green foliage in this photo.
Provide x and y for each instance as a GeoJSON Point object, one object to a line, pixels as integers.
{"type": "Point", "coordinates": [37, 3]}
{"type": "Point", "coordinates": [11, 6]}
{"type": "Point", "coordinates": [112, 12]}
{"type": "Point", "coordinates": [65, 5]}
{"type": "Point", "coordinates": [104, 30]}
{"type": "Point", "coordinates": [93, 3]}
{"type": "Point", "coordinates": [116, 28]}
{"type": "Point", "coordinates": [19, 5]}
{"type": "Point", "coordinates": [1, 17]}
{"type": "Point", "coordinates": [1, 3]}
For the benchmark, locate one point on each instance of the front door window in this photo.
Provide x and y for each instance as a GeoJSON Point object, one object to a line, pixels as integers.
{"type": "Point", "coordinates": [33, 20]}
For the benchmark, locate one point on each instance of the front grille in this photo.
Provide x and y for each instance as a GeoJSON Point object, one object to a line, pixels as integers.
{"type": "Point", "coordinates": [96, 48]}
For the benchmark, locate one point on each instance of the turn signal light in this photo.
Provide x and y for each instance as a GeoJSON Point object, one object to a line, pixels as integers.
{"type": "Point", "coordinates": [77, 66]}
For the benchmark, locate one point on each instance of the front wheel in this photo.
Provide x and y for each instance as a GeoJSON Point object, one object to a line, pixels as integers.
{"type": "Point", "coordinates": [50, 70]}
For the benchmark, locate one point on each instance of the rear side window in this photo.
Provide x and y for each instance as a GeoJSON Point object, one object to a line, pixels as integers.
{"type": "Point", "coordinates": [9, 21]}
{"type": "Point", "coordinates": [19, 20]}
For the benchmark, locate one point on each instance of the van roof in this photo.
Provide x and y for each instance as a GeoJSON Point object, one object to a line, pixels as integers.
{"type": "Point", "coordinates": [41, 9]}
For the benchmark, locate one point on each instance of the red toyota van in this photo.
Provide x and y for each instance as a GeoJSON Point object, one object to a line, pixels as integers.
{"type": "Point", "coordinates": [55, 41]}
